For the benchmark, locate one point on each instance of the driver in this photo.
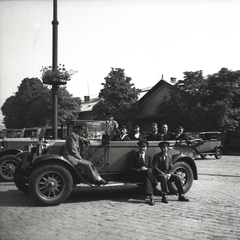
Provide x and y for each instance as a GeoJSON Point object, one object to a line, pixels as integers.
{"type": "Point", "coordinates": [72, 152]}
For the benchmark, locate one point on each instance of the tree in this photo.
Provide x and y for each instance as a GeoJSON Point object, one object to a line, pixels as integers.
{"type": "Point", "coordinates": [221, 99]}
{"type": "Point", "coordinates": [118, 96]}
{"type": "Point", "coordinates": [31, 106]}
{"type": "Point", "coordinates": [207, 104]}
{"type": "Point", "coordinates": [185, 99]}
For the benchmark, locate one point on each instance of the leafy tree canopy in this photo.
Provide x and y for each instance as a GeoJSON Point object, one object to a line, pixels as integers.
{"type": "Point", "coordinates": [207, 104]}
{"type": "Point", "coordinates": [118, 96]}
{"type": "Point", "coordinates": [31, 105]}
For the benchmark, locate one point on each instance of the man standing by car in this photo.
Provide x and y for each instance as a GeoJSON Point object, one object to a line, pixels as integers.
{"type": "Point", "coordinates": [163, 172]}
{"type": "Point", "coordinates": [141, 168]}
{"type": "Point", "coordinates": [72, 153]}
{"type": "Point", "coordinates": [112, 125]}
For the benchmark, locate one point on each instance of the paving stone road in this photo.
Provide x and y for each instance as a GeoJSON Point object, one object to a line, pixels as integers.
{"type": "Point", "coordinates": [121, 213]}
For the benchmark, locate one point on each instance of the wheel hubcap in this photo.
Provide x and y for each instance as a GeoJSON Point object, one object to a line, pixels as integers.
{"type": "Point", "coordinates": [8, 169]}
{"type": "Point", "coordinates": [182, 174]}
{"type": "Point", "coordinates": [51, 185]}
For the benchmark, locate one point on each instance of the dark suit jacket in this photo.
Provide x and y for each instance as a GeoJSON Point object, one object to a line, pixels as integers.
{"type": "Point", "coordinates": [160, 166]}
{"type": "Point", "coordinates": [154, 137]}
{"type": "Point", "coordinates": [136, 162]}
{"type": "Point", "coordinates": [167, 136]}
{"type": "Point", "coordinates": [183, 136]}
{"type": "Point", "coordinates": [117, 138]}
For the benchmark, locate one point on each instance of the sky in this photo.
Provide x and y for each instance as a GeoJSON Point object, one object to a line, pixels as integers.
{"type": "Point", "coordinates": [147, 38]}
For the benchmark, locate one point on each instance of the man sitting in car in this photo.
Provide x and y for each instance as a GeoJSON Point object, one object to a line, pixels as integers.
{"type": "Point", "coordinates": [72, 152]}
{"type": "Point", "coordinates": [123, 136]}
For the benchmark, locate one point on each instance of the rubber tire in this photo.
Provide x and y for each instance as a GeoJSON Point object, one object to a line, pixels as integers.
{"type": "Point", "coordinates": [218, 154]}
{"type": "Point", "coordinates": [54, 172]}
{"type": "Point", "coordinates": [18, 180]}
{"type": "Point", "coordinates": [8, 160]}
{"type": "Point", "coordinates": [189, 177]}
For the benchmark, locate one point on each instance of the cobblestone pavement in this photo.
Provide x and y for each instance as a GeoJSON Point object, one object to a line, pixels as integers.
{"type": "Point", "coordinates": [121, 213]}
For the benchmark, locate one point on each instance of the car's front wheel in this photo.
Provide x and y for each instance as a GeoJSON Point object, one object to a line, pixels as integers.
{"type": "Point", "coordinates": [8, 165]}
{"type": "Point", "coordinates": [50, 184]}
{"type": "Point", "coordinates": [218, 154]}
{"type": "Point", "coordinates": [184, 171]}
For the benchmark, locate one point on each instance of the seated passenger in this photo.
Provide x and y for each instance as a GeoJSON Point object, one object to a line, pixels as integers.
{"type": "Point", "coordinates": [163, 172]}
{"type": "Point", "coordinates": [123, 136]}
{"type": "Point", "coordinates": [165, 134]}
{"type": "Point", "coordinates": [72, 152]}
{"type": "Point", "coordinates": [141, 167]}
{"type": "Point", "coordinates": [136, 135]}
{"type": "Point", "coordinates": [180, 135]}
{"type": "Point", "coordinates": [155, 135]}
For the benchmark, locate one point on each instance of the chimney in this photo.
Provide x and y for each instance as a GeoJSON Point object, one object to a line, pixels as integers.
{"type": "Point", "coordinates": [86, 98]}
{"type": "Point", "coordinates": [173, 79]}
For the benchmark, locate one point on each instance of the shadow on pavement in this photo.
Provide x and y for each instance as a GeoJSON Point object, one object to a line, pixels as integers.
{"type": "Point", "coordinates": [119, 194]}
{"type": "Point", "coordinates": [15, 198]}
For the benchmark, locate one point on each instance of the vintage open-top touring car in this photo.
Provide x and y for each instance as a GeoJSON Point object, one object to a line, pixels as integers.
{"type": "Point", "coordinates": [49, 177]}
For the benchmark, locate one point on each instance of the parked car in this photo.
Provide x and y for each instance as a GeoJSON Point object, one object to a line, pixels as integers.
{"type": "Point", "coordinates": [49, 177]}
{"type": "Point", "coordinates": [207, 143]}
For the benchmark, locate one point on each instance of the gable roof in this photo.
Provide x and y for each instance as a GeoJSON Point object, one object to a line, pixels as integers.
{"type": "Point", "coordinates": [153, 89]}
{"type": "Point", "coordinates": [88, 105]}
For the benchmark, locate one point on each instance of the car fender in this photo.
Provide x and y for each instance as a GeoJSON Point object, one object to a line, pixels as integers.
{"type": "Point", "coordinates": [10, 151]}
{"type": "Point", "coordinates": [184, 158]}
{"type": "Point", "coordinates": [60, 160]}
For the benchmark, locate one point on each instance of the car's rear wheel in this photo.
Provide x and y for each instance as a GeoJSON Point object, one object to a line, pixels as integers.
{"type": "Point", "coordinates": [50, 184]}
{"type": "Point", "coordinates": [218, 154]}
{"type": "Point", "coordinates": [8, 165]}
{"type": "Point", "coordinates": [19, 180]}
{"type": "Point", "coordinates": [184, 171]}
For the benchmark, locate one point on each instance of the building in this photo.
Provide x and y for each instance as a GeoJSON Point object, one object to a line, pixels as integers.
{"type": "Point", "coordinates": [152, 100]}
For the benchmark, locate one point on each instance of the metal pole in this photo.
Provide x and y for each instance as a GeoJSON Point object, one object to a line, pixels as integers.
{"type": "Point", "coordinates": [54, 67]}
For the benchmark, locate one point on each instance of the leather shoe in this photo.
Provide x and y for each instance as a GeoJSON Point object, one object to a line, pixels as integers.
{"type": "Point", "coordinates": [102, 182]}
{"type": "Point", "coordinates": [152, 203]}
{"type": "Point", "coordinates": [182, 199]}
{"type": "Point", "coordinates": [164, 200]}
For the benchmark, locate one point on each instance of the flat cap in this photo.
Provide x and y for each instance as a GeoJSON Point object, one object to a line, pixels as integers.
{"type": "Point", "coordinates": [143, 143]}
{"type": "Point", "coordinates": [163, 144]}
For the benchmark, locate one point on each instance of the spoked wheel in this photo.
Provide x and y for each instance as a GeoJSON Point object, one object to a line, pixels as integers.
{"type": "Point", "coordinates": [183, 170]}
{"type": "Point", "coordinates": [50, 184]}
{"type": "Point", "coordinates": [8, 165]}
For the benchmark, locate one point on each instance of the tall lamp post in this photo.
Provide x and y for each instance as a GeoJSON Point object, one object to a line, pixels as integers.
{"type": "Point", "coordinates": [54, 68]}
{"type": "Point", "coordinates": [55, 75]}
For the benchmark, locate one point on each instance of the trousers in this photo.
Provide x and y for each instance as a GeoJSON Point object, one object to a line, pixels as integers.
{"type": "Point", "coordinates": [87, 167]}
{"type": "Point", "coordinates": [174, 178]}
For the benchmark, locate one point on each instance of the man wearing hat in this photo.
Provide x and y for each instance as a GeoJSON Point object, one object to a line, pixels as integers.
{"type": "Point", "coordinates": [123, 136]}
{"type": "Point", "coordinates": [163, 171]}
{"type": "Point", "coordinates": [72, 152]}
{"type": "Point", "coordinates": [112, 125]}
{"type": "Point", "coordinates": [141, 168]}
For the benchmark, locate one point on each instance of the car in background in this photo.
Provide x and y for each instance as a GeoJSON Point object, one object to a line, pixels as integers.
{"type": "Point", "coordinates": [207, 143]}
